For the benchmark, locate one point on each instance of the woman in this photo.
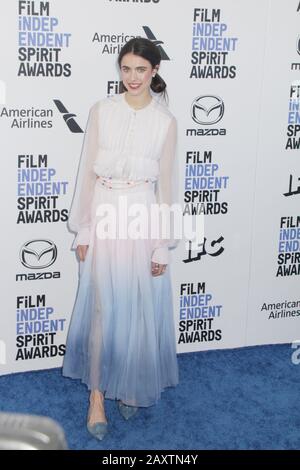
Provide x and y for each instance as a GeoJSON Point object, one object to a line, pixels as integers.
{"type": "Point", "coordinates": [121, 340]}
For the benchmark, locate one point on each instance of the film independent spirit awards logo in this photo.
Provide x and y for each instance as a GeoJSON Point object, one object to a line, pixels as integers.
{"type": "Point", "coordinates": [207, 110]}
{"type": "Point", "coordinates": [38, 254]}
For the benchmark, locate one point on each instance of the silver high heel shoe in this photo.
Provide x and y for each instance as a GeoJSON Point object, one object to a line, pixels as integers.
{"type": "Point", "coordinates": [98, 429]}
{"type": "Point", "coordinates": [127, 411]}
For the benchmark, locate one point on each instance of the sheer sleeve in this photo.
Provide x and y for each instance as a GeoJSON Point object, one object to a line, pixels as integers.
{"type": "Point", "coordinates": [167, 191]}
{"type": "Point", "coordinates": [79, 220]}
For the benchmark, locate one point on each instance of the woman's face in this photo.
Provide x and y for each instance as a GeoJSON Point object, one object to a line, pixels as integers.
{"type": "Point", "coordinates": [136, 74]}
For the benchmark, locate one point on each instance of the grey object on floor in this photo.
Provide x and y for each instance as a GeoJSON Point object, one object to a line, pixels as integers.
{"type": "Point", "coordinates": [29, 432]}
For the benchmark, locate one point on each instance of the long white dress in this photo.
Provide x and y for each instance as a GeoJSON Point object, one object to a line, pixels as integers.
{"type": "Point", "coordinates": [121, 338]}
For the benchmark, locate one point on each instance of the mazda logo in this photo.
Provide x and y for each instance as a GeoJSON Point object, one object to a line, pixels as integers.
{"type": "Point", "coordinates": [207, 109]}
{"type": "Point", "coordinates": [38, 254]}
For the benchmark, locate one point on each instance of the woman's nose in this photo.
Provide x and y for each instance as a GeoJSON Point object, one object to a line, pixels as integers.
{"type": "Point", "coordinates": [133, 75]}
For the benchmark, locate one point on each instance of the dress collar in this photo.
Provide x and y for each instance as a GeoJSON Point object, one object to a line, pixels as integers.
{"type": "Point", "coordinates": [148, 106]}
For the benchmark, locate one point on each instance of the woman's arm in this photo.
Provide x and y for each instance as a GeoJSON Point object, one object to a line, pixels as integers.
{"type": "Point", "coordinates": [79, 215]}
{"type": "Point", "coordinates": [165, 189]}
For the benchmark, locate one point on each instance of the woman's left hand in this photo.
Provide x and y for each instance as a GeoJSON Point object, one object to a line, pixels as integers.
{"type": "Point", "coordinates": [157, 269]}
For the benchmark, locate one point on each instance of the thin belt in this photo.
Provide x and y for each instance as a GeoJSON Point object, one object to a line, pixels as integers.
{"type": "Point", "coordinates": [114, 183]}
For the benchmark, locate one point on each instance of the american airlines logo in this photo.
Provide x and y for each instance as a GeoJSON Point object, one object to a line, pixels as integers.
{"type": "Point", "coordinates": [68, 117]}
{"type": "Point", "coordinates": [157, 43]}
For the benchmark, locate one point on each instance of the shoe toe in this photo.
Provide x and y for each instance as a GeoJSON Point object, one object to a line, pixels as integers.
{"type": "Point", "coordinates": [127, 411]}
{"type": "Point", "coordinates": [98, 430]}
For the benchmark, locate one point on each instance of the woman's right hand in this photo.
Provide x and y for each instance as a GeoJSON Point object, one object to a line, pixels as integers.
{"type": "Point", "coordinates": [81, 251]}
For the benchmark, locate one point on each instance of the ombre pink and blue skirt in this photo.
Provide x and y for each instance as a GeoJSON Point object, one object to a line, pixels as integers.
{"type": "Point", "coordinates": [121, 337]}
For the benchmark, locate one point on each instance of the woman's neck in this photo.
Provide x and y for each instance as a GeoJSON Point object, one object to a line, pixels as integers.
{"type": "Point", "coordinates": [138, 102]}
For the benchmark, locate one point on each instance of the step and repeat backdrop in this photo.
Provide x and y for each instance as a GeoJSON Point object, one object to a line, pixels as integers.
{"type": "Point", "coordinates": [233, 74]}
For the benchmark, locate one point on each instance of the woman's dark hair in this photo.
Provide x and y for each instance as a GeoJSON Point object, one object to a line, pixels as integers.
{"type": "Point", "coordinates": [145, 48]}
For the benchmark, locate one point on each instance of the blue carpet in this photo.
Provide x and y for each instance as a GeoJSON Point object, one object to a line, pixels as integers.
{"type": "Point", "coordinates": [244, 398]}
